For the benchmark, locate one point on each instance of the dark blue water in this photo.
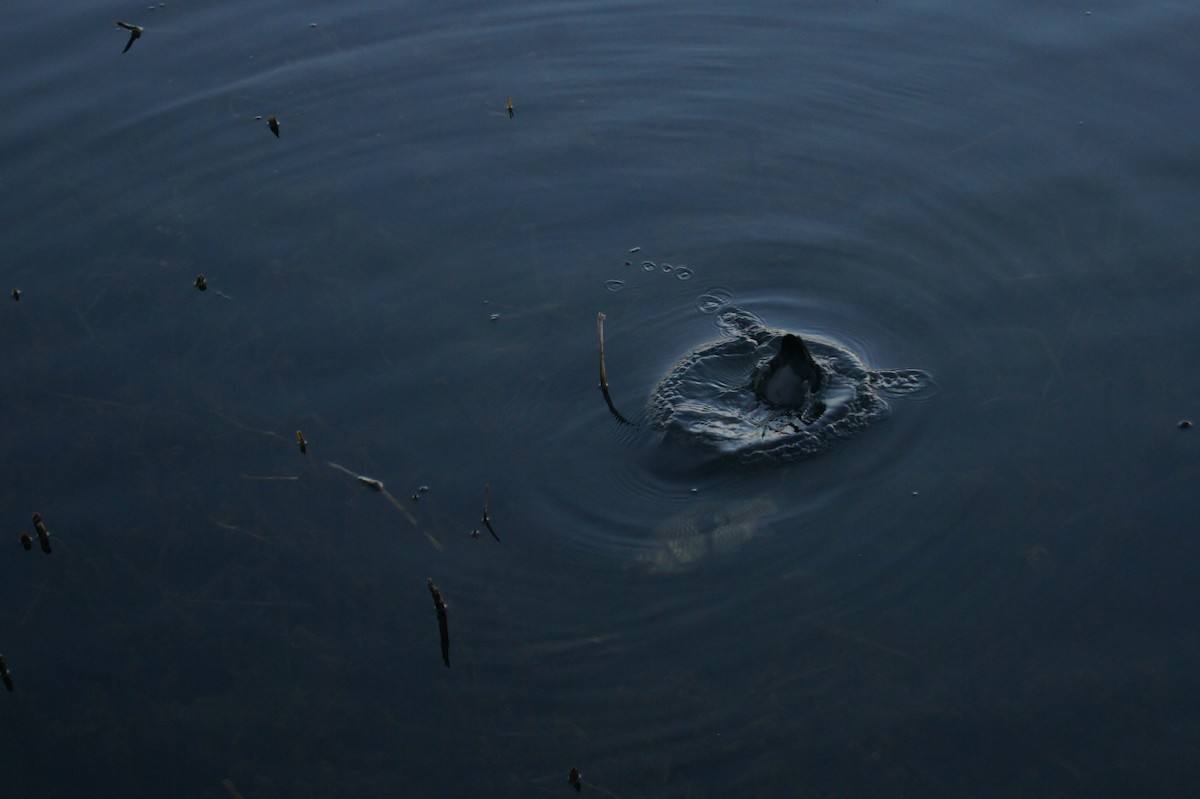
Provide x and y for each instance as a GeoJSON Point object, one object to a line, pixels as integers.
{"type": "Point", "coordinates": [991, 591]}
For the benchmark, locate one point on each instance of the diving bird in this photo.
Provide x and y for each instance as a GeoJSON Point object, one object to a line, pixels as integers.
{"type": "Point", "coordinates": [273, 124]}
{"type": "Point", "coordinates": [790, 377]}
{"type": "Point", "coordinates": [135, 31]}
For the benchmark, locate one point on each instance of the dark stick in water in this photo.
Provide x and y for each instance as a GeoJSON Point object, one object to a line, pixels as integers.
{"type": "Point", "coordinates": [604, 373]}
{"type": "Point", "coordinates": [443, 628]}
{"type": "Point", "coordinates": [487, 489]}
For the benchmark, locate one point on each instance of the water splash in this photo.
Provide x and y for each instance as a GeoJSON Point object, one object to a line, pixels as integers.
{"type": "Point", "coordinates": [706, 397]}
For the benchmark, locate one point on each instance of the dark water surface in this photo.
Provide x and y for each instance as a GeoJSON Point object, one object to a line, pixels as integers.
{"type": "Point", "coordinates": [991, 592]}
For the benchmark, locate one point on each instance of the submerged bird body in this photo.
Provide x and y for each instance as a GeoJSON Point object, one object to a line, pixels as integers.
{"type": "Point", "coordinates": [790, 377]}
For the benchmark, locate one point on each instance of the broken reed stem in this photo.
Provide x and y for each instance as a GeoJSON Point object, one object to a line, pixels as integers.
{"type": "Point", "coordinates": [600, 332]}
{"type": "Point", "coordinates": [604, 373]}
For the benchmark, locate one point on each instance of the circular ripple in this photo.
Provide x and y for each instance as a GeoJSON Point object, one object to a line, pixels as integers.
{"type": "Point", "coordinates": [706, 398]}
{"type": "Point", "coordinates": [714, 300]}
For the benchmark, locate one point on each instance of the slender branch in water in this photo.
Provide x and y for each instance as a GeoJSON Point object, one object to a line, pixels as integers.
{"type": "Point", "coordinates": [600, 334]}
{"type": "Point", "coordinates": [376, 485]}
{"type": "Point", "coordinates": [604, 373]}
{"type": "Point", "coordinates": [487, 489]}
{"type": "Point", "coordinates": [247, 428]}
{"type": "Point", "coordinates": [443, 627]}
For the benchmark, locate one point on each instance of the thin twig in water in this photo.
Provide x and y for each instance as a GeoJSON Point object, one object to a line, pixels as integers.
{"type": "Point", "coordinates": [247, 428]}
{"type": "Point", "coordinates": [487, 489]}
{"type": "Point", "coordinates": [235, 529]}
{"type": "Point", "coordinates": [604, 373]}
{"type": "Point", "coordinates": [371, 482]}
{"type": "Point", "coordinates": [443, 627]}
{"type": "Point", "coordinates": [600, 335]}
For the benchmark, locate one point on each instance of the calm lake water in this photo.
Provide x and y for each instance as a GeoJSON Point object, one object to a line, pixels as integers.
{"type": "Point", "coordinates": [990, 592]}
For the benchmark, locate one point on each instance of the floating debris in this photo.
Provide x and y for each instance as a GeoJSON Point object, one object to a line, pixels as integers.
{"type": "Point", "coordinates": [575, 778]}
{"type": "Point", "coordinates": [42, 533]}
{"type": "Point", "coordinates": [201, 283]}
{"type": "Point", "coordinates": [6, 674]}
{"type": "Point", "coordinates": [635, 249]}
{"type": "Point", "coordinates": [273, 124]}
{"type": "Point", "coordinates": [303, 444]}
{"type": "Point", "coordinates": [16, 294]}
{"type": "Point", "coordinates": [372, 483]}
{"type": "Point", "coordinates": [135, 33]}
{"type": "Point", "coordinates": [604, 374]}
{"type": "Point", "coordinates": [416, 497]}
{"type": "Point", "coordinates": [443, 628]}
{"type": "Point", "coordinates": [487, 489]}
{"type": "Point", "coordinates": [511, 113]}
{"type": "Point", "coordinates": [26, 541]}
